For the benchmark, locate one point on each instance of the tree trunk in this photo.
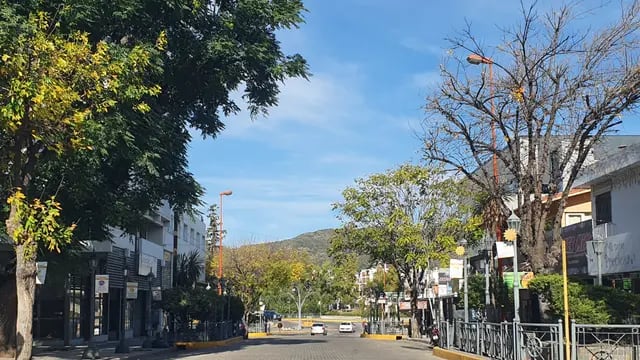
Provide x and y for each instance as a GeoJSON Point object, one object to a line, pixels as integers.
{"type": "Point", "coordinates": [25, 286]}
{"type": "Point", "coordinates": [8, 318]}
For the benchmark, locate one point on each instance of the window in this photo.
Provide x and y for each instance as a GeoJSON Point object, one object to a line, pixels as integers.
{"type": "Point", "coordinates": [603, 208]}
{"type": "Point", "coordinates": [193, 237]}
{"type": "Point", "coordinates": [573, 219]}
{"type": "Point", "coordinates": [99, 325]}
{"type": "Point", "coordinates": [185, 233]}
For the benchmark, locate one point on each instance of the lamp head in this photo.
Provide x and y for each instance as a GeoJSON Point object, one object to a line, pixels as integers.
{"type": "Point", "coordinates": [226, 193]}
{"type": "Point", "coordinates": [514, 222]}
{"type": "Point", "coordinates": [476, 59]}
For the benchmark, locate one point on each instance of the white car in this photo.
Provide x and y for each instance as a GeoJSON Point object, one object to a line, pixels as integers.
{"type": "Point", "coordinates": [318, 328]}
{"type": "Point", "coordinates": [346, 327]}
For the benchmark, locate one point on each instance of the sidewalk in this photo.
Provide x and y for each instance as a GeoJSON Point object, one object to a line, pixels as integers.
{"type": "Point", "coordinates": [107, 351]}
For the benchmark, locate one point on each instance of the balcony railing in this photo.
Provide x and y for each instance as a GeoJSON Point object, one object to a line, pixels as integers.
{"type": "Point", "coordinates": [602, 231]}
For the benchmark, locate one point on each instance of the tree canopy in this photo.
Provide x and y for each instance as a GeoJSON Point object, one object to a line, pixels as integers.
{"type": "Point", "coordinates": [552, 93]}
{"type": "Point", "coordinates": [98, 98]}
{"type": "Point", "coordinates": [410, 217]}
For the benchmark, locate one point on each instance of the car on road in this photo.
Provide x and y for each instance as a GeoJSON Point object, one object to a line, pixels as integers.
{"type": "Point", "coordinates": [318, 328]}
{"type": "Point", "coordinates": [271, 315]}
{"type": "Point", "coordinates": [346, 327]}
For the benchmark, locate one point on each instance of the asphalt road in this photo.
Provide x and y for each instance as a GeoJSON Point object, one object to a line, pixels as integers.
{"type": "Point", "coordinates": [334, 346]}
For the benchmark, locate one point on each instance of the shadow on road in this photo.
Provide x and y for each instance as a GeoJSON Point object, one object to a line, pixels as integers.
{"type": "Point", "coordinates": [243, 344]}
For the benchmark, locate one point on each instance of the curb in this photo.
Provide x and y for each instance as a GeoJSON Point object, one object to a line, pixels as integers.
{"type": "Point", "coordinates": [455, 355]}
{"type": "Point", "coordinates": [382, 336]}
{"type": "Point", "coordinates": [197, 345]}
{"type": "Point", "coordinates": [260, 335]}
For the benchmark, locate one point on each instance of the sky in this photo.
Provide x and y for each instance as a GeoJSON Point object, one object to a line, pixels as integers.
{"type": "Point", "coordinates": [373, 63]}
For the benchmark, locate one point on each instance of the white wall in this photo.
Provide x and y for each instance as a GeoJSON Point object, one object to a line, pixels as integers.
{"type": "Point", "coordinates": [622, 245]}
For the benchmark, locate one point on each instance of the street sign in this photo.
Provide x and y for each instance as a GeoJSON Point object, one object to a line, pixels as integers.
{"type": "Point", "coordinates": [102, 284]}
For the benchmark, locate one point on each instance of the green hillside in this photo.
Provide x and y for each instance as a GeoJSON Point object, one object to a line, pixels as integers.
{"type": "Point", "coordinates": [315, 243]}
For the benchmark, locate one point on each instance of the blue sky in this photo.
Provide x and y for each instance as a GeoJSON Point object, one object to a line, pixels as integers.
{"type": "Point", "coordinates": [373, 62]}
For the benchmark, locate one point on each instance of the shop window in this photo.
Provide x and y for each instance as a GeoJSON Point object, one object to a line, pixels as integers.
{"type": "Point", "coordinates": [75, 301]}
{"type": "Point", "coordinates": [99, 324]}
{"type": "Point", "coordinates": [603, 208]}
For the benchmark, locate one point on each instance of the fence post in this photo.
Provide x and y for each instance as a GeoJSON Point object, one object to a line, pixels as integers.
{"type": "Point", "coordinates": [516, 340]}
{"type": "Point", "coordinates": [574, 343]}
{"type": "Point", "coordinates": [478, 336]}
{"type": "Point", "coordinates": [561, 340]}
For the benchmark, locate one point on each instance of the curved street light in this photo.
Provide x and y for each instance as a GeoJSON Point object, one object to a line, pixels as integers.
{"type": "Point", "coordinates": [221, 235]}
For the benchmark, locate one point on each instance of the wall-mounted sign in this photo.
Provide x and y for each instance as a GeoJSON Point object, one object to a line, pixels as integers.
{"type": "Point", "coordinates": [41, 272]}
{"type": "Point", "coordinates": [621, 254]}
{"type": "Point", "coordinates": [504, 249]}
{"type": "Point", "coordinates": [102, 284]}
{"type": "Point", "coordinates": [456, 268]}
{"type": "Point", "coordinates": [132, 290]}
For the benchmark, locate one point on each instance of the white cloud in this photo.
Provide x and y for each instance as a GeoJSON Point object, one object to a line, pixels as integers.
{"type": "Point", "coordinates": [347, 159]}
{"type": "Point", "coordinates": [420, 46]}
{"type": "Point", "coordinates": [322, 102]}
{"type": "Point", "coordinates": [425, 80]}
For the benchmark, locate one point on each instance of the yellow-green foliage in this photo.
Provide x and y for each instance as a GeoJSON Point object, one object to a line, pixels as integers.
{"type": "Point", "coordinates": [55, 86]}
{"type": "Point", "coordinates": [39, 224]}
{"type": "Point", "coordinates": [56, 83]}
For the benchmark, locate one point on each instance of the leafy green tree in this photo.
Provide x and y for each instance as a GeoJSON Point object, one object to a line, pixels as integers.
{"type": "Point", "coordinates": [54, 85]}
{"type": "Point", "coordinates": [410, 217]}
{"type": "Point", "coordinates": [189, 270]}
{"type": "Point", "coordinates": [582, 308]}
{"type": "Point", "coordinates": [129, 158]}
{"type": "Point", "coordinates": [476, 294]}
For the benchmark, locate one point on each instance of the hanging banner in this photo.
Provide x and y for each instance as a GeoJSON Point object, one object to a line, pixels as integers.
{"type": "Point", "coordinates": [504, 249]}
{"type": "Point", "coordinates": [102, 284]}
{"type": "Point", "coordinates": [456, 268]}
{"type": "Point", "coordinates": [41, 272]}
{"type": "Point", "coordinates": [132, 290]}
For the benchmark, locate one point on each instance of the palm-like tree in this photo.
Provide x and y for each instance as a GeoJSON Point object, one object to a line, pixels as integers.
{"type": "Point", "coordinates": [190, 267]}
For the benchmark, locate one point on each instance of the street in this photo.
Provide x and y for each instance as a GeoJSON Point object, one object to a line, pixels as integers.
{"type": "Point", "coordinates": [306, 347]}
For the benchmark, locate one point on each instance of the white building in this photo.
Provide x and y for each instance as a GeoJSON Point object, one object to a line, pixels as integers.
{"type": "Point", "coordinates": [615, 201]}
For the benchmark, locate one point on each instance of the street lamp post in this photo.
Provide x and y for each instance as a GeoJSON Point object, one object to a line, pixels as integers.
{"type": "Point", "coordinates": [299, 305]}
{"type": "Point", "coordinates": [221, 235]}
{"type": "Point", "coordinates": [123, 346]}
{"type": "Point", "coordinates": [514, 224]}
{"type": "Point", "coordinates": [476, 59]}
{"type": "Point", "coordinates": [91, 352]}
{"type": "Point", "coordinates": [598, 249]}
{"type": "Point", "coordinates": [460, 251]}
{"type": "Point", "coordinates": [487, 272]}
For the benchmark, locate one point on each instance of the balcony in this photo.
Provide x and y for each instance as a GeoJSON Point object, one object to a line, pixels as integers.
{"type": "Point", "coordinates": [603, 231]}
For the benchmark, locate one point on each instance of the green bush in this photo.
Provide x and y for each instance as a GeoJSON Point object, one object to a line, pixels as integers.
{"type": "Point", "coordinates": [583, 306]}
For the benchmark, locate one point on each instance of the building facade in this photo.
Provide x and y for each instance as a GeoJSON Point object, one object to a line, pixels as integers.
{"type": "Point", "coordinates": [115, 285]}
{"type": "Point", "coordinates": [615, 199]}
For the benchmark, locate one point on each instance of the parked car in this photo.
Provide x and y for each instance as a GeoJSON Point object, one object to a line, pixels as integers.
{"type": "Point", "coordinates": [271, 315]}
{"type": "Point", "coordinates": [346, 327]}
{"type": "Point", "coordinates": [318, 328]}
